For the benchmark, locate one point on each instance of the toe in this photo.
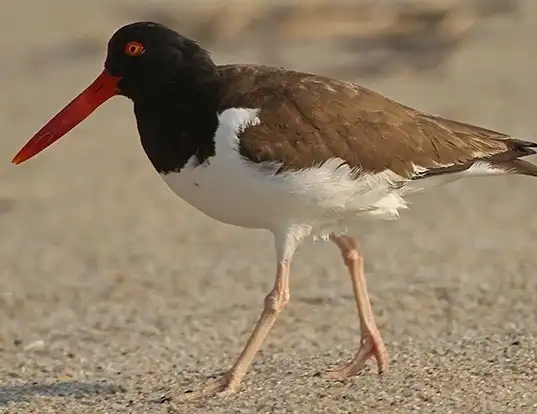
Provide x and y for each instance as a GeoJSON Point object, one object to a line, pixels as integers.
{"type": "Point", "coordinates": [336, 375]}
{"type": "Point", "coordinates": [223, 386]}
{"type": "Point", "coordinates": [381, 355]}
{"type": "Point", "coordinates": [226, 392]}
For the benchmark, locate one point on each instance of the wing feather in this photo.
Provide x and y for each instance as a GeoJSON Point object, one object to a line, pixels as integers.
{"type": "Point", "coordinates": [306, 120]}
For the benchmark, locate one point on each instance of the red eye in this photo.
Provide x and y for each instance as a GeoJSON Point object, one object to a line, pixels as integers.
{"type": "Point", "coordinates": [134, 49]}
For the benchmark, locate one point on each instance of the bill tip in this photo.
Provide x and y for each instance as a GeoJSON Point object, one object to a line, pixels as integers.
{"type": "Point", "coordinates": [17, 159]}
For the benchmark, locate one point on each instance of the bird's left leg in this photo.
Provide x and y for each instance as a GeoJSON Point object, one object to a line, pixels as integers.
{"type": "Point", "coordinates": [275, 302]}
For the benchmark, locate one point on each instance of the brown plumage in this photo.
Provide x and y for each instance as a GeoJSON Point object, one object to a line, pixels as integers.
{"type": "Point", "coordinates": [307, 119]}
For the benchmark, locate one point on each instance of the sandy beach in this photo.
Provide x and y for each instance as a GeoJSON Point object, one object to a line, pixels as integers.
{"type": "Point", "coordinates": [116, 296]}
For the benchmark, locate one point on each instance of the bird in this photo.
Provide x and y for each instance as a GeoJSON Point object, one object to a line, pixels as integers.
{"type": "Point", "coordinates": [297, 154]}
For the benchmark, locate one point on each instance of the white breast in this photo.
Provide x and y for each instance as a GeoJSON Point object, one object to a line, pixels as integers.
{"type": "Point", "coordinates": [234, 190]}
{"type": "Point", "coordinates": [227, 187]}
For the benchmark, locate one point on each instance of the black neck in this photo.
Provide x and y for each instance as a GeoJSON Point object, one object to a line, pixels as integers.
{"type": "Point", "coordinates": [179, 123]}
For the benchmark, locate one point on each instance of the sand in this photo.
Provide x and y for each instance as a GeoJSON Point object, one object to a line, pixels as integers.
{"type": "Point", "coordinates": [116, 296]}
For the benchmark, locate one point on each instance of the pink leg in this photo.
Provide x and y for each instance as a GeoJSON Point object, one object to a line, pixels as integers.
{"type": "Point", "coordinates": [371, 343]}
{"type": "Point", "coordinates": [275, 301]}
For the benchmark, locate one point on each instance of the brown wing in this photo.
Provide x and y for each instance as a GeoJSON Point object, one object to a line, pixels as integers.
{"type": "Point", "coordinates": [308, 119]}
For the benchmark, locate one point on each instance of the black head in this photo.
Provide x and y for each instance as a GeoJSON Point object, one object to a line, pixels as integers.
{"type": "Point", "coordinates": [164, 73]}
{"type": "Point", "coordinates": [152, 60]}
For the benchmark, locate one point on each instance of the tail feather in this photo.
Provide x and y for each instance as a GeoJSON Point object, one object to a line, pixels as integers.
{"type": "Point", "coordinates": [508, 161]}
{"type": "Point", "coordinates": [518, 166]}
{"type": "Point", "coordinates": [511, 160]}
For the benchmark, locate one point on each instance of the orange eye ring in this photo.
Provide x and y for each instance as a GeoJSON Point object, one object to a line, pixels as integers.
{"type": "Point", "coordinates": [134, 49]}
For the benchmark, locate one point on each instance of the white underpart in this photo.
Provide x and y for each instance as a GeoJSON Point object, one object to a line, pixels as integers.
{"type": "Point", "coordinates": [311, 202]}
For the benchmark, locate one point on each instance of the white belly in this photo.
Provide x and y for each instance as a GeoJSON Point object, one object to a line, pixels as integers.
{"type": "Point", "coordinates": [246, 195]}
{"type": "Point", "coordinates": [225, 194]}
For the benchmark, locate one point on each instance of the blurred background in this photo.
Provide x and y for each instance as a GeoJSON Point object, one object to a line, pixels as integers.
{"type": "Point", "coordinates": [113, 290]}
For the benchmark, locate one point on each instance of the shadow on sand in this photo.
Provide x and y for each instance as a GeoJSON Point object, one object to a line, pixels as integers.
{"type": "Point", "coordinates": [23, 393]}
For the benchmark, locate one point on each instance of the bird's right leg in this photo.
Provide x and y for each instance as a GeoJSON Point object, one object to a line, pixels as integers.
{"type": "Point", "coordinates": [371, 343]}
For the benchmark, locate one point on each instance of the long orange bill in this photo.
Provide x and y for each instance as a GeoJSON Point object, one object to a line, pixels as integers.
{"type": "Point", "coordinates": [102, 89]}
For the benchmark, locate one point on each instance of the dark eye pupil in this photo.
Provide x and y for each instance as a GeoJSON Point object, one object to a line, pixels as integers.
{"type": "Point", "coordinates": [133, 49]}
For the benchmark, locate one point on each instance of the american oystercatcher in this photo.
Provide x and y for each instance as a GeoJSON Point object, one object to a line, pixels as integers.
{"type": "Point", "coordinates": [296, 154]}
